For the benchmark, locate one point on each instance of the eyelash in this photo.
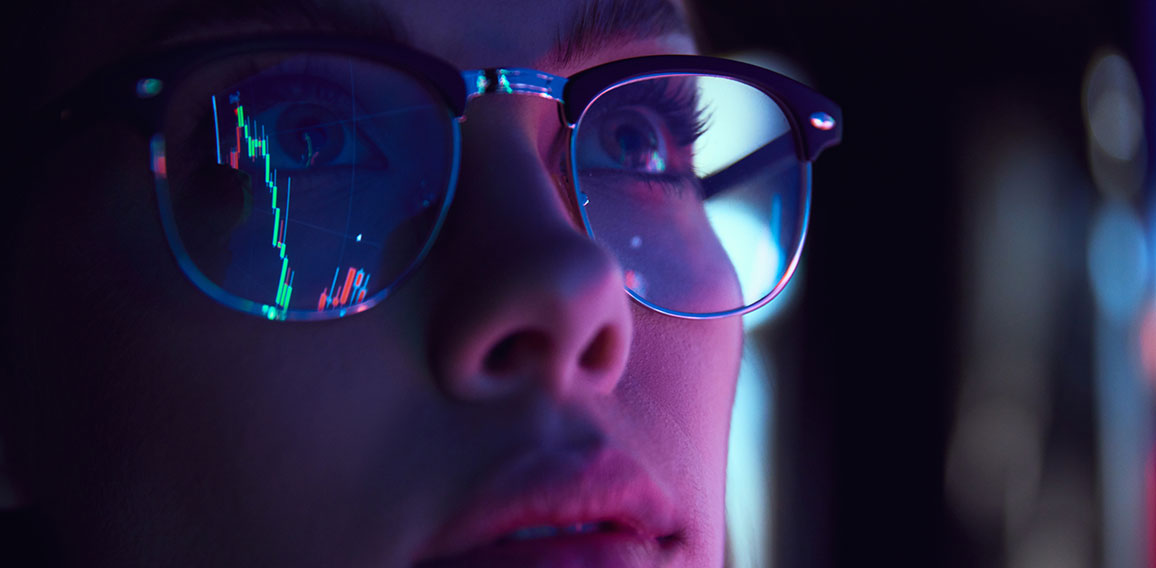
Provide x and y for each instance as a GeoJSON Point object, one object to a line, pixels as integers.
{"type": "Point", "coordinates": [687, 119]}
{"type": "Point", "coordinates": [678, 107]}
{"type": "Point", "coordinates": [676, 102]}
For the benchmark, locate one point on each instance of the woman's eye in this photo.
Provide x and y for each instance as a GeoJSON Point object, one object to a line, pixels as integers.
{"type": "Point", "coordinates": [308, 135]}
{"type": "Point", "coordinates": [633, 141]}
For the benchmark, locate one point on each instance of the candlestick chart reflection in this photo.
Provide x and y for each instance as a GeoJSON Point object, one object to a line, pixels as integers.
{"type": "Point", "coordinates": [251, 153]}
{"type": "Point", "coordinates": [344, 169]}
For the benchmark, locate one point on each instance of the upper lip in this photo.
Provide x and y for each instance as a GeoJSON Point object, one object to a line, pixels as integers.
{"type": "Point", "coordinates": [559, 490]}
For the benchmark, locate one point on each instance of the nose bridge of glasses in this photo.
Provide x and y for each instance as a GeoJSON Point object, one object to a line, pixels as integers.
{"type": "Point", "coordinates": [513, 81]}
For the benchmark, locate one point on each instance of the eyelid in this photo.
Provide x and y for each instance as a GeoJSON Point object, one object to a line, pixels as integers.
{"type": "Point", "coordinates": [334, 89]}
{"type": "Point", "coordinates": [677, 101]}
{"type": "Point", "coordinates": [677, 151]}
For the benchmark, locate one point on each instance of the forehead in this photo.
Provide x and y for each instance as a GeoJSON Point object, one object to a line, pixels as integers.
{"type": "Point", "coordinates": [539, 33]}
{"type": "Point", "coordinates": [471, 34]}
{"type": "Point", "coordinates": [554, 35]}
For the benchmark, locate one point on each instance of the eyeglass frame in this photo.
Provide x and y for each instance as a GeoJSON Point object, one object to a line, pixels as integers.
{"type": "Point", "coordinates": [134, 90]}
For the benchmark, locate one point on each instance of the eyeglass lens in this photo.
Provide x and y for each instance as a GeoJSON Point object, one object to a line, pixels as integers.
{"type": "Point", "coordinates": [694, 182]}
{"type": "Point", "coordinates": [306, 183]}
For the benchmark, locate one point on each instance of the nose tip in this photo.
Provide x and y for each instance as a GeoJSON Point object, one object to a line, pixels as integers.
{"type": "Point", "coordinates": [554, 319]}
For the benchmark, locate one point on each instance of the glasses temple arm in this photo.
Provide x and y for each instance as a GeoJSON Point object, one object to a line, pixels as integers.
{"type": "Point", "coordinates": [770, 159]}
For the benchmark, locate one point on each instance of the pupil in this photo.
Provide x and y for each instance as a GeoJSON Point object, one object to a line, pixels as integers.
{"type": "Point", "coordinates": [635, 147]}
{"type": "Point", "coordinates": [307, 135]}
{"type": "Point", "coordinates": [311, 142]}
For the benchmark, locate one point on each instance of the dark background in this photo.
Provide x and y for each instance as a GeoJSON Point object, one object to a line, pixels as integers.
{"type": "Point", "coordinates": [870, 358]}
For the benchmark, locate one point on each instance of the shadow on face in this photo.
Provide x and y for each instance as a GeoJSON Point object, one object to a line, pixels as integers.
{"type": "Point", "coordinates": [156, 426]}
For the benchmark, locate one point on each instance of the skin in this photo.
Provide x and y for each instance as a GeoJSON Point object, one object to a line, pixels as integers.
{"type": "Point", "coordinates": [169, 430]}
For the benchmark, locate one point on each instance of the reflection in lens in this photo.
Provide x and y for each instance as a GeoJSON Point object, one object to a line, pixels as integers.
{"type": "Point", "coordinates": [344, 168]}
{"type": "Point", "coordinates": [717, 227]}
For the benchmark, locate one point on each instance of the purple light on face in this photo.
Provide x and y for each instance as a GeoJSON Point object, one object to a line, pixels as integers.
{"type": "Point", "coordinates": [822, 121]}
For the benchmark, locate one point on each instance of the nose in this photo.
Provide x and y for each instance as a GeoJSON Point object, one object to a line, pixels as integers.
{"type": "Point", "coordinates": [531, 302]}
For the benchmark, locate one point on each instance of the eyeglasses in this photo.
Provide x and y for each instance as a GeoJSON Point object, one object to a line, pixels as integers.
{"type": "Point", "coordinates": [304, 178]}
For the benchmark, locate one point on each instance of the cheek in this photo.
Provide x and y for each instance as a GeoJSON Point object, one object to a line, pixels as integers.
{"type": "Point", "coordinates": [162, 414]}
{"type": "Point", "coordinates": [690, 366]}
{"type": "Point", "coordinates": [668, 249]}
{"type": "Point", "coordinates": [680, 384]}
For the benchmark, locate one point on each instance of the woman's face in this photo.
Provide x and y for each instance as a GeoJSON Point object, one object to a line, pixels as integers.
{"type": "Point", "coordinates": [509, 384]}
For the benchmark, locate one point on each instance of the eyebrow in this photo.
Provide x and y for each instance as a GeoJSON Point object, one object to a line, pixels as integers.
{"type": "Point", "coordinates": [366, 19]}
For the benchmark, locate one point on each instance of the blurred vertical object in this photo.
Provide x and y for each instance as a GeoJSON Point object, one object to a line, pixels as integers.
{"type": "Point", "coordinates": [1114, 119]}
{"type": "Point", "coordinates": [1015, 477]}
{"type": "Point", "coordinates": [1118, 272]}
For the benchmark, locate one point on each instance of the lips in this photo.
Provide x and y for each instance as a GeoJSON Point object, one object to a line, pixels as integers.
{"type": "Point", "coordinates": [534, 533]}
{"type": "Point", "coordinates": [561, 510]}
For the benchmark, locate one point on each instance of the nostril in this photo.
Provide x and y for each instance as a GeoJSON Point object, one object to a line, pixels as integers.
{"type": "Point", "coordinates": [516, 350]}
{"type": "Point", "coordinates": [600, 352]}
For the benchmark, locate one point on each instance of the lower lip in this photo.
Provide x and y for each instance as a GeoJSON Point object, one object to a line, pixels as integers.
{"type": "Point", "coordinates": [595, 550]}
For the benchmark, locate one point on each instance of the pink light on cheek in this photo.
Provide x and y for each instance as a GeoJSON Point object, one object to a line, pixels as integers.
{"type": "Point", "coordinates": [159, 166]}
